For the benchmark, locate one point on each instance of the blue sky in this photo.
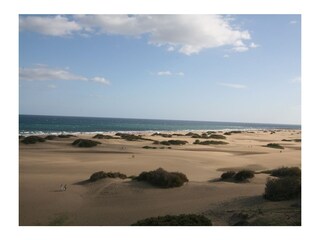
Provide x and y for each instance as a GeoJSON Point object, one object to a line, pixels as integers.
{"type": "Point", "coordinates": [237, 68]}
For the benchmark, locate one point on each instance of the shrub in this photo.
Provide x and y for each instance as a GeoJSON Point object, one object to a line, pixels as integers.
{"type": "Point", "coordinates": [21, 137]}
{"type": "Point", "coordinates": [204, 135]}
{"type": "Point", "coordinates": [274, 145]}
{"type": "Point", "coordinates": [101, 136]}
{"type": "Point", "coordinates": [175, 220]}
{"type": "Point", "coordinates": [210, 142]}
{"type": "Point", "coordinates": [148, 147]}
{"type": "Point", "coordinates": [283, 188]}
{"type": "Point", "coordinates": [172, 142]}
{"type": "Point", "coordinates": [297, 140]}
{"type": "Point", "coordinates": [66, 135]}
{"type": "Point", "coordinates": [286, 172]}
{"type": "Point", "coordinates": [232, 132]}
{"type": "Point", "coordinates": [162, 135]}
{"type": "Point", "coordinates": [85, 143]}
{"type": "Point", "coordinates": [243, 175]}
{"type": "Point", "coordinates": [101, 174]}
{"type": "Point", "coordinates": [51, 137]}
{"type": "Point", "coordinates": [163, 179]}
{"type": "Point", "coordinates": [132, 137]}
{"type": "Point", "coordinates": [286, 140]}
{"type": "Point", "coordinates": [32, 140]}
{"type": "Point", "coordinates": [228, 175]}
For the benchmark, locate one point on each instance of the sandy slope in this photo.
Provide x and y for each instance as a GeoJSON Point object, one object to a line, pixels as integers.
{"type": "Point", "coordinates": [44, 166]}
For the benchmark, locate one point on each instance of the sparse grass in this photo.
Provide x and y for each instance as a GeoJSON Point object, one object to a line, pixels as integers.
{"type": "Point", "coordinates": [274, 145]}
{"type": "Point", "coordinates": [66, 136]}
{"type": "Point", "coordinates": [101, 175]}
{"type": "Point", "coordinates": [285, 188]}
{"type": "Point", "coordinates": [205, 136]}
{"type": "Point", "coordinates": [163, 179]}
{"type": "Point", "coordinates": [171, 142]}
{"type": "Point", "coordinates": [51, 137]}
{"type": "Point", "coordinates": [209, 142]}
{"type": "Point", "coordinates": [227, 175]}
{"type": "Point", "coordinates": [85, 143]}
{"type": "Point", "coordinates": [243, 175]}
{"type": "Point", "coordinates": [148, 147]}
{"type": "Point", "coordinates": [286, 172]}
{"type": "Point", "coordinates": [175, 220]}
{"type": "Point", "coordinates": [32, 140]}
{"type": "Point", "coordinates": [101, 136]}
{"type": "Point", "coordinates": [232, 132]}
{"type": "Point", "coordinates": [132, 137]}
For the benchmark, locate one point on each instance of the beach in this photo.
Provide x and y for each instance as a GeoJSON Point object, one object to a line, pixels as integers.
{"type": "Point", "coordinates": [44, 166]}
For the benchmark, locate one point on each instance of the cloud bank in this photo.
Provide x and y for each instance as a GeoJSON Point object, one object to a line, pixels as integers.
{"type": "Point", "coordinates": [187, 34]}
{"type": "Point", "coordinates": [45, 73]}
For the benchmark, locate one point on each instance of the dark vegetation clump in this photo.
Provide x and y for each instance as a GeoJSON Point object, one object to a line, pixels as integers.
{"type": "Point", "coordinates": [206, 136]}
{"type": "Point", "coordinates": [21, 137]}
{"type": "Point", "coordinates": [243, 175]}
{"type": "Point", "coordinates": [177, 134]}
{"type": "Point", "coordinates": [211, 132]}
{"type": "Point", "coordinates": [284, 188]}
{"type": "Point", "coordinates": [101, 174]}
{"type": "Point", "coordinates": [171, 142]}
{"type": "Point", "coordinates": [148, 147]}
{"type": "Point", "coordinates": [162, 135]}
{"type": "Point", "coordinates": [297, 140]}
{"type": "Point", "coordinates": [32, 140]}
{"type": "Point", "coordinates": [51, 137]}
{"type": "Point", "coordinates": [286, 172]}
{"type": "Point", "coordinates": [101, 136]}
{"type": "Point", "coordinates": [228, 175]}
{"type": "Point", "coordinates": [209, 142]}
{"type": "Point", "coordinates": [190, 134]}
{"type": "Point", "coordinates": [175, 220]}
{"type": "Point", "coordinates": [286, 140]}
{"type": "Point", "coordinates": [66, 136]}
{"type": "Point", "coordinates": [162, 178]}
{"type": "Point", "coordinates": [85, 143]}
{"type": "Point", "coordinates": [274, 145]}
{"type": "Point", "coordinates": [132, 137]}
{"type": "Point", "coordinates": [232, 132]}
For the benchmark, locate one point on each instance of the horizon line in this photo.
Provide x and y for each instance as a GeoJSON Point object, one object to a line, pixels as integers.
{"type": "Point", "coordinates": [292, 124]}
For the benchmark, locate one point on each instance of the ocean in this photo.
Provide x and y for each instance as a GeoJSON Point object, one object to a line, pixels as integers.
{"type": "Point", "coordinates": [36, 124]}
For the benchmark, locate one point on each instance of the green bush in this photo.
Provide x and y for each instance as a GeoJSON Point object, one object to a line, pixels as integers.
{"type": "Point", "coordinates": [228, 175]}
{"type": "Point", "coordinates": [163, 179]}
{"type": "Point", "coordinates": [286, 172]}
{"type": "Point", "coordinates": [101, 174]}
{"type": "Point", "coordinates": [173, 142]}
{"type": "Point", "coordinates": [101, 136]}
{"type": "Point", "coordinates": [285, 188]}
{"type": "Point", "coordinates": [274, 145]}
{"type": "Point", "coordinates": [210, 142]}
{"type": "Point", "coordinates": [148, 147]}
{"type": "Point", "coordinates": [85, 143]}
{"type": "Point", "coordinates": [175, 220]}
{"type": "Point", "coordinates": [32, 140]}
{"type": "Point", "coordinates": [51, 137]}
{"type": "Point", "coordinates": [243, 175]}
{"type": "Point", "coordinates": [66, 136]}
{"type": "Point", "coordinates": [132, 137]}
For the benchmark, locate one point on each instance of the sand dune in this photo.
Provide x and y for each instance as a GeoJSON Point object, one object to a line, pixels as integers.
{"type": "Point", "coordinates": [44, 166]}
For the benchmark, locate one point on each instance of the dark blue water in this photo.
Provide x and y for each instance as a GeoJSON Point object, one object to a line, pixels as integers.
{"type": "Point", "coordinates": [33, 124]}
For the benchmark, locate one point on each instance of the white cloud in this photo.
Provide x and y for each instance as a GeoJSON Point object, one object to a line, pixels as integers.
{"type": "Point", "coordinates": [100, 80]}
{"type": "Point", "coordinates": [232, 85]}
{"type": "Point", "coordinates": [187, 34]}
{"type": "Point", "coordinates": [293, 22]}
{"type": "Point", "coordinates": [45, 73]}
{"type": "Point", "coordinates": [49, 25]}
{"type": "Point", "coordinates": [169, 73]}
{"type": "Point", "coordinates": [164, 73]}
{"type": "Point", "coordinates": [253, 45]}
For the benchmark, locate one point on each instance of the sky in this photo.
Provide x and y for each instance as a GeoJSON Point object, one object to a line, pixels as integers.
{"type": "Point", "coordinates": [235, 68]}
